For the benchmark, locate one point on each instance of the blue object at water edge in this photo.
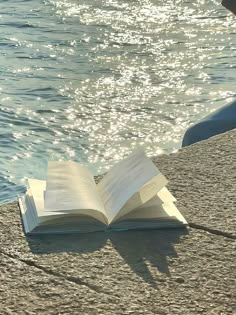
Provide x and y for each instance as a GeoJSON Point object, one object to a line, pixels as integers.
{"type": "Point", "coordinates": [220, 121]}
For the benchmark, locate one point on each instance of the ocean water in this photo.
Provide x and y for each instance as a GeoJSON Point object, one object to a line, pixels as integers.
{"type": "Point", "coordinates": [89, 80]}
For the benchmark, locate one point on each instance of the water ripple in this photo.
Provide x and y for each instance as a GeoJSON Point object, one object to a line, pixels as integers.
{"type": "Point", "coordinates": [90, 80]}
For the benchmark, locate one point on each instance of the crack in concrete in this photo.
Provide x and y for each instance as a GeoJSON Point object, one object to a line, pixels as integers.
{"type": "Point", "coordinates": [211, 231]}
{"type": "Point", "coordinates": [75, 280]}
{"type": "Point", "coordinates": [95, 288]}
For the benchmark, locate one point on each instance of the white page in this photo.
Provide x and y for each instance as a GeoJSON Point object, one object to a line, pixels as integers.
{"type": "Point", "coordinates": [36, 192]}
{"type": "Point", "coordinates": [125, 179]}
{"type": "Point", "coordinates": [70, 186]}
{"type": "Point", "coordinates": [146, 194]}
{"type": "Point", "coordinates": [28, 221]}
{"type": "Point", "coordinates": [164, 195]}
{"type": "Point", "coordinates": [153, 209]}
{"type": "Point", "coordinates": [32, 205]}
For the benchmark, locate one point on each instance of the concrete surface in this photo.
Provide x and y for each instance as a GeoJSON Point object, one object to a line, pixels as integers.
{"type": "Point", "coordinates": [174, 271]}
{"type": "Point", "coordinates": [203, 179]}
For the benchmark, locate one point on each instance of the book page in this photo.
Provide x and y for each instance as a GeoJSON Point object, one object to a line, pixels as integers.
{"type": "Point", "coordinates": [125, 179]}
{"type": "Point", "coordinates": [154, 210]}
{"type": "Point", "coordinates": [146, 193]}
{"type": "Point", "coordinates": [35, 195]}
{"type": "Point", "coordinates": [70, 186]}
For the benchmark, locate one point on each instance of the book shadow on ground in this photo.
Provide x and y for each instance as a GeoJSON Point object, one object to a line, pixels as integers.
{"type": "Point", "coordinates": [140, 249]}
{"type": "Point", "coordinates": [150, 248]}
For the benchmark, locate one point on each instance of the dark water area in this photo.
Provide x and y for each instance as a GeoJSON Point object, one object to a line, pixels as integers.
{"type": "Point", "coordinates": [90, 80]}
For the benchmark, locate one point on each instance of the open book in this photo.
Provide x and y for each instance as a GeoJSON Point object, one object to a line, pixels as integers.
{"type": "Point", "coordinates": [131, 195]}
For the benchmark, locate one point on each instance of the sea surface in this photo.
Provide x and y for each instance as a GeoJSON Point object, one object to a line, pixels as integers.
{"type": "Point", "coordinates": [89, 80]}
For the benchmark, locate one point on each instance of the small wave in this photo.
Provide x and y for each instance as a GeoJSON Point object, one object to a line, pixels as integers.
{"type": "Point", "coordinates": [9, 190]}
{"type": "Point", "coordinates": [17, 25]}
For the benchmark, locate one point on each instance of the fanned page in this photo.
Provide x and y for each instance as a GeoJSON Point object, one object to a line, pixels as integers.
{"type": "Point", "coordinates": [37, 189]}
{"type": "Point", "coordinates": [37, 220]}
{"type": "Point", "coordinates": [143, 195]}
{"type": "Point", "coordinates": [36, 195]}
{"type": "Point", "coordinates": [161, 206]}
{"type": "Point", "coordinates": [70, 186]}
{"type": "Point", "coordinates": [125, 179]}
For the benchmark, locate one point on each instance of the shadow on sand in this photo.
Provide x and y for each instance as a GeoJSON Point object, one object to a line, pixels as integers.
{"type": "Point", "coordinates": [135, 247]}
